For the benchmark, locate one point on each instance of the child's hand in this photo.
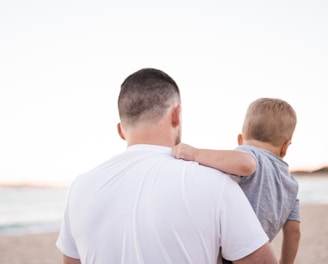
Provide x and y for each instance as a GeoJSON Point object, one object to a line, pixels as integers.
{"type": "Point", "coordinates": [184, 151]}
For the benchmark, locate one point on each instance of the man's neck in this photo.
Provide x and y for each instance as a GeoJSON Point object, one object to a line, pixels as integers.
{"type": "Point", "coordinates": [151, 136]}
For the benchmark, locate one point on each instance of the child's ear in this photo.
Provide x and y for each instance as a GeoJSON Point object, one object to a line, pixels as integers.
{"type": "Point", "coordinates": [120, 131]}
{"type": "Point", "coordinates": [283, 150]}
{"type": "Point", "coordinates": [240, 139]}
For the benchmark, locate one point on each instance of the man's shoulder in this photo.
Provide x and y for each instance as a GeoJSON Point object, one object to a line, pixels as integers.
{"type": "Point", "coordinates": [204, 172]}
{"type": "Point", "coordinates": [204, 168]}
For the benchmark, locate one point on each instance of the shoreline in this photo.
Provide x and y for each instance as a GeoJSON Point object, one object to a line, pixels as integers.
{"type": "Point", "coordinates": [40, 247]}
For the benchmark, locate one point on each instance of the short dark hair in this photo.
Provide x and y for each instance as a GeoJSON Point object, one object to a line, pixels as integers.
{"type": "Point", "coordinates": [145, 95]}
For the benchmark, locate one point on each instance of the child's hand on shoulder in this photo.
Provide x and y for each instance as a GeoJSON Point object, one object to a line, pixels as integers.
{"type": "Point", "coordinates": [184, 151]}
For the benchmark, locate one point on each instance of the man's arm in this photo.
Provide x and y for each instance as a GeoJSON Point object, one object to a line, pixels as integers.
{"type": "Point", "coordinates": [291, 239]}
{"type": "Point", "coordinates": [264, 255]}
{"type": "Point", "coordinates": [69, 260]}
{"type": "Point", "coordinates": [229, 161]}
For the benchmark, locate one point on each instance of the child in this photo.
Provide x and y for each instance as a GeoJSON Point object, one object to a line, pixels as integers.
{"type": "Point", "coordinates": [267, 131]}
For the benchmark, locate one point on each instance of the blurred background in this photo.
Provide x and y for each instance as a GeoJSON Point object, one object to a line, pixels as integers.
{"type": "Point", "coordinates": [62, 64]}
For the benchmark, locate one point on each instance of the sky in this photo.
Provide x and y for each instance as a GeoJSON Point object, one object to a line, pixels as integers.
{"type": "Point", "coordinates": [62, 64]}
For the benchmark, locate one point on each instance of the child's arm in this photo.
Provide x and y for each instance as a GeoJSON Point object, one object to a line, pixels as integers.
{"type": "Point", "coordinates": [230, 161]}
{"type": "Point", "coordinates": [291, 238]}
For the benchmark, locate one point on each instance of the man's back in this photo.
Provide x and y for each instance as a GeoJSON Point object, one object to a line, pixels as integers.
{"type": "Point", "coordinates": [140, 207]}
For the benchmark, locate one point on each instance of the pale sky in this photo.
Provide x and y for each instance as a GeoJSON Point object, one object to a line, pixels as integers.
{"type": "Point", "coordinates": [62, 63]}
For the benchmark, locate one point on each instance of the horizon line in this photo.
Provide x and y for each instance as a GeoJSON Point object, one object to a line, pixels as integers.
{"type": "Point", "coordinates": [55, 184]}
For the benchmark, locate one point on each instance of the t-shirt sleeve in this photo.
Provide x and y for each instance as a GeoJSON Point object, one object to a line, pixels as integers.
{"type": "Point", "coordinates": [295, 213]}
{"type": "Point", "coordinates": [65, 241]}
{"type": "Point", "coordinates": [241, 231]}
{"type": "Point", "coordinates": [246, 149]}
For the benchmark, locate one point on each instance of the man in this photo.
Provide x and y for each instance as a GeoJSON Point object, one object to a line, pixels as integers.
{"type": "Point", "coordinates": [145, 206]}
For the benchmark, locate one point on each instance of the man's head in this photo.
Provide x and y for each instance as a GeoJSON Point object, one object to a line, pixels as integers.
{"type": "Point", "coordinates": [145, 99]}
{"type": "Point", "coordinates": [269, 120]}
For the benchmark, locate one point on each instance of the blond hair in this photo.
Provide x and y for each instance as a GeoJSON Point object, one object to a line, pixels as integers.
{"type": "Point", "coordinates": [269, 120]}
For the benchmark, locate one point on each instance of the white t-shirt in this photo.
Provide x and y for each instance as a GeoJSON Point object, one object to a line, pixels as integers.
{"type": "Point", "coordinates": [144, 206]}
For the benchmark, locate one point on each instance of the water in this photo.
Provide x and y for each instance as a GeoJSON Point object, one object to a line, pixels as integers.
{"type": "Point", "coordinates": [31, 209]}
{"type": "Point", "coordinates": [28, 210]}
{"type": "Point", "coordinates": [313, 189]}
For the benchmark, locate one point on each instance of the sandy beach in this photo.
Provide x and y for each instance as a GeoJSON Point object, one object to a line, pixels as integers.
{"type": "Point", "coordinates": [40, 248]}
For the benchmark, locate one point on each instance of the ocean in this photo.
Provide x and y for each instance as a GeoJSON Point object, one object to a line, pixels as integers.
{"type": "Point", "coordinates": [31, 209]}
{"type": "Point", "coordinates": [36, 209]}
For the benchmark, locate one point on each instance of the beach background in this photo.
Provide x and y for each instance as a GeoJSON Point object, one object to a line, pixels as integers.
{"type": "Point", "coordinates": [62, 64]}
{"type": "Point", "coordinates": [30, 219]}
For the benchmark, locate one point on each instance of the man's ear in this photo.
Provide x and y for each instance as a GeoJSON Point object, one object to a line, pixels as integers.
{"type": "Point", "coordinates": [176, 116]}
{"type": "Point", "coordinates": [120, 131]}
{"type": "Point", "coordinates": [240, 139]}
{"type": "Point", "coordinates": [283, 150]}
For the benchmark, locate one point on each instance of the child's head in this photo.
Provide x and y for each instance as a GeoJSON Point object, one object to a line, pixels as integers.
{"type": "Point", "coordinates": [269, 120]}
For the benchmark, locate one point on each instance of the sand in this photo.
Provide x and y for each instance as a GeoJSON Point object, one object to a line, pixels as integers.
{"type": "Point", "coordinates": [29, 249]}
{"type": "Point", "coordinates": [40, 248]}
{"type": "Point", "coordinates": [313, 247]}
